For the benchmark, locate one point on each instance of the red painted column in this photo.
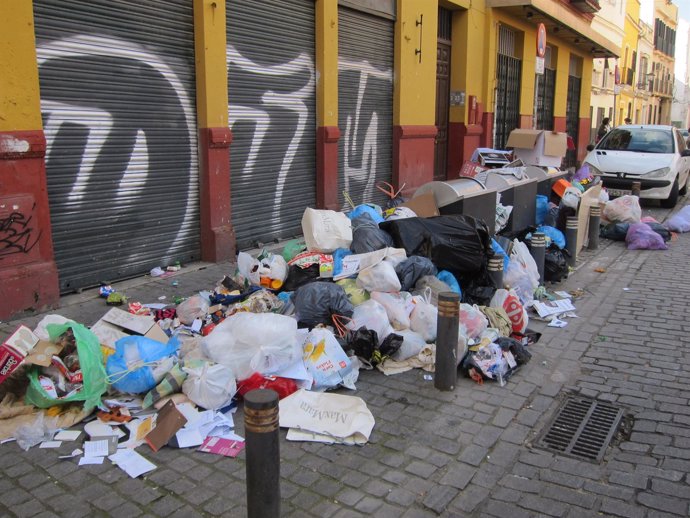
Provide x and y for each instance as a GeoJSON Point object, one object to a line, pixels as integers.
{"type": "Point", "coordinates": [526, 121]}
{"type": "Point", "coordinates": [583, 137]}
{"type": "Point", "coordinates": [463, 139]}
{"type": "Point", "coordinates": [28, 274]}
{"type": "Point", "coordinates": [559, 124]}
{"type": "Point", "coordinates": [487, 139]}
{"type": "Point", "coordinates": [327, 167]}
{"type": "Point", "coordinates": [413, 156]}
{"type": "Point", "coordinates": [217, 234]}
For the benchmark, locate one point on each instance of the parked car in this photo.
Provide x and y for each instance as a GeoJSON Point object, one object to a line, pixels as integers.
{"type": "Point", "coordinates": [654, 155]}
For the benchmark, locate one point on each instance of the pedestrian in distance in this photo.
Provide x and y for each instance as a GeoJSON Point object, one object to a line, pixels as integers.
{"type": "Point", "coordinates": [604, 128]}
{"type": "Point", "coordinates": [627, 120]}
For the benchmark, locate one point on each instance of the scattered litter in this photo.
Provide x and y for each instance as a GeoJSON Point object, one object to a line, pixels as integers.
{"type": "Point", "coordinates": [600, 270]}
{"type": "Point", "coordinates": [85, 461]}
{"type": "Point", "coordinates": [221, 446]}
{"type": "Point", "coordinates": [553, 307]}
{"type": "Point", "coordinates": [75, 453]}
{"type": "Point", "coordinates": [131, 462]}
{"type": "Point", "coordinates": [557, 323]}
{"type": "Point", "coordinates": [428, 377]}
{"type": "Point", "coordinates": [50, 444]}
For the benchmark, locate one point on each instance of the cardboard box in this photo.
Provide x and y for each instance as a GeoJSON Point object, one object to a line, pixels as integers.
{"type": "Point", "coordinates": [15, 350]}
{"type": "Point", "coordinates": [538, 147]}
{"type": "Point", "coordinates": [116, 324]}
{"type": "Point", "coordinates": [424, 205]}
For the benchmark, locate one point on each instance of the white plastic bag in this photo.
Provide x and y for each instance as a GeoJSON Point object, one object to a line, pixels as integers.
{"type": "Point", "coordinates": [424, 316]}
{"type": "Point", "coordinates": [473, 320]}
{"type": "Point", "coordinates": [253, 342]}
{"type": "Point", "coordinates": [371, 315]}
{"type": "Point", "coordinates": [625, 209]}
{"type": "Point", "coordinates": [209, 385]}
{"type": "Point", "coordinates": [571, 197]}
{"type": "Point", "coordinates": [192, 308]}
{"type": "Point", "coordinates": [398, 307]}
{"type": "Point", "coordinates": [510, 302]}
{"type": "Point", "coordinates": [326, 230]}
{"type": "Point", "coordinates": [522, 274]}
{"type": "Point", "coordinates": [380, 277]}
{"type": "Point", "coordinates": [325, 359]}
{"type": "Point", "coordinates": [680, 221]}
{"type": "Point", "coordinates": [412, 345]}
{"type": "Point", "coordinates": [248, 268]}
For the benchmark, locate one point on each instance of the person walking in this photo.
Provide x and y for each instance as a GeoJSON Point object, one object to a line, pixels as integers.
{"type": "Point", "coordinates": [604, 128]}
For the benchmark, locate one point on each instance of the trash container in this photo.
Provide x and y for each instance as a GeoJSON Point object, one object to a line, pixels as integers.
{"type": "Point", "coordinates": [464, 196]}
{"type": "Point", "coordinates": [545, 176]}
{"type": "Point", "coordinates": [516, 189]}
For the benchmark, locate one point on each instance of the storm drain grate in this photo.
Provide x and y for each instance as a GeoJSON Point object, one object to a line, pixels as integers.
{"type": "Point", "coordinates": [583, 428]}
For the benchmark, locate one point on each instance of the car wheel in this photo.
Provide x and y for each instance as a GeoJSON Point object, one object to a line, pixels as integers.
{"type": "Point", "coordinates": [672, 199]}
{"type": "Point", "coordinates": [684, 190]}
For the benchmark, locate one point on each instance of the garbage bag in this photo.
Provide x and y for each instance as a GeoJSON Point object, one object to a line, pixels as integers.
{"type": "Point", "coordinates": [373, 211]}
{"type": "Point", "coordinates": [498, 250]}
{"type": "Point", "coordinates": [615, 231]}
{"type": "Point", "coordinates": [457, 243]}
{"type": "Point", "coordinates": [557, 237]}
{"type": "Point", "coordinates": [292, 248]}
{"type": "Point", "coordinates": [510, 302]}
{"type": "Point", "coordinates": [91, 365]}
{"type": "Point", "coordinates": [298, 276]}
{"type": "Point", "coordinates": [641, 237]}
{"type": "Point", "coordinates": [473, 320]}
{"type": "Point", "coordinates": [389, 346]}
{"type": "Point", "coordinates": [282, 386]}
{"type": "Point", "coordinates": [367, 236]}
{"type": "Point", "coordinates": [680, 221]}
{"type": "Point", "coordinates": [515, 347]}
{"type": "Point", "coordinates": [625, 209]}
{"type": "Point", "coordinates": [371, 315]}
{"type": "Point", "coordinates": [326, 230]}
{"type": "Point", "coordinates": [448, 278]}
{"type": "Point", "coordinates": [170, 384]}
{"type": "Point", "coordinates": [659, 229]}
{"type": "Point", "coordinates": [522, 274]}
{"type": "Point", "coordinates": [355, 294]}
{"type": "Point", "coordinates": [412, 345]}
{"type": "Point", "coordinates": [139, 363]}
{"type": "Point", "coordinates": [253, 342]}
{"type": "Point", "coordinates": [555, 264]}
{"type": "Point", "coordinates": [317, 302]}
{"type": "Point", "coordinates": [325, 359]}
{"type": "Point", "coordinates": [399, 213]}
{"type": "Point", "coordinates": [398, 307]}
{"type": "Point", "coordinates": [362, 343]}
{"type": "Point", "coordinates": [542, 209]}
{"type": "Point", "coordinates": [192, 308]}
{"type": "Point", "coordinates": [411, 269]}
{"type": "Point", "coordinates": [209, 385]}
{"type": "Point", "coordinates": [424, 317]}
{"type": "Point", "coordinates": [435, 285]}
{"type": "Point", "coordinates": [268, 270]}
{"type": "Point", "coordinates": [338, 256]}
{"type": "Point", "coordinates": [380, 277]}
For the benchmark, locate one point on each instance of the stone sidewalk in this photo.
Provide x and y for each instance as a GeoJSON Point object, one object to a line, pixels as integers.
{"type": "Point", "coordinates": [463, 453]}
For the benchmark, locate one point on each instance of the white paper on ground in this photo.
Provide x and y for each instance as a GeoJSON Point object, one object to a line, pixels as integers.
{"type": "Point", "coordinates": [188, 438]}
{"type": "Point", "coordinates": [50, 444]}
{"type": "Point", "coordinates": [191, 414]}
{"type": "Point", "coordinates": [67, 435]}
{"type": "Point", "coordinates": [553, 307]}
{"type": "Point", "coordinates": [557, 323]}
{"type": "Point", "coordinates": [562, 294]}
{"type": "Point", "coordinates": [131, 462]}
{"type": "Point", "coordinates": [90, 460]}
{"type": "Point", "coordinates": [95, 448]}
{"type": "Point", "coordinates": [74, 453]}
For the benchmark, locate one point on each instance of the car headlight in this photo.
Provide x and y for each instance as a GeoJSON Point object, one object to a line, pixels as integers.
{"type": "Point", "coordinates": [593, 170]}
{"type": "Point", "coordinates": [658, 173]}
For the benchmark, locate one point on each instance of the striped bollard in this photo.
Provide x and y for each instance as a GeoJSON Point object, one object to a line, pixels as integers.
{"type": "Point", "coordinates": [571, 240]}
{"type": "Point", "coordinates": [594, 223]}
{"type": "Point", "coordinates": [447, 323]}
{"type": "Point", "coordinates": [495, 268]}
{"type": "Point", "coordinates": [538, 251]}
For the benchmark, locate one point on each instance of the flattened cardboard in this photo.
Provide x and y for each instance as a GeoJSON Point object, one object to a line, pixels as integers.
{"type": "Point", "coordinates": [134, 323]}
{"type": "Point", "coordinates": [42, 353]}
{"type": "Point", "coordinates": [423, 205]}
{"type": "Point", "coordinates": [116, 324]}
{"type": "Point", "coordinates": [168, 422]}
{"type": "Point", "coordinates": [471, 169]}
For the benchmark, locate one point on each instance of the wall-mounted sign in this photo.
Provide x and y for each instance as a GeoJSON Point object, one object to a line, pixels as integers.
{"type": "Point", "coordinates": [541, 40]}
{"type": "Point", "coordinates": [457, 98]}
{"type": "Point", "coordinates": [539, 66]}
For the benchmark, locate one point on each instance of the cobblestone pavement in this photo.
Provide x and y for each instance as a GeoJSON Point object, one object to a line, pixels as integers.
{"type": "Point", "coordinates": [463, 453]}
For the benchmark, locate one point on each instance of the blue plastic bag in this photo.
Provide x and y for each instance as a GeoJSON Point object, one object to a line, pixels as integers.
{"type": "Point", "coordinates": [338, 255]}
{"type": "Point", "coordinates": [498, 249]}
{"type": "Point", "coordinates": [450, 280]}
{"type": "Point", "coordinates": [542, 208]}
{"type": "Point", "coordinates": [557, 237]}
{"type": "Point", "coordinates": [366, 209]}
{"type": "Point", "coordinates": [130, 368]}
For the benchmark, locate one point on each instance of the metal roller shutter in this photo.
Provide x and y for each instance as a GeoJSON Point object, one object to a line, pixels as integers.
{"type": "Point", "coordinates": [365, 104]}
{"type": "Point", "coordinates": [272, 96]}
{"type": "Point", "coordinates": [118, 105]}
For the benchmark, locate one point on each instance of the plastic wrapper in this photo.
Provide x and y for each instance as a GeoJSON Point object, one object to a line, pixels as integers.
{"type": "Point", "coordinates": [680, 221]}
{"type": "Point", "coordinates": [253, 342]}
{"type": "Point", "coordinates": [367, 236]}
{"type": "Point", "coordinates": [282, 386]}
{"type": "Point", "coordinates": [522, 274]}
{"type": "Point", "coordinates": [317, 302]}
{"type": "Point", "coordinates": [380, 277]}
{"type": "Point", "coordinates": [473, 320]}
{"type": "Point", "coordinates": [209, 385]}
{"type": "Point", "coordinates": [325, 359]}
{"type": "Point", "coordinates": [411, 269]}
{"type": "Point", "coordinates": [460, 244]}
{"type": "Point", "coordinates": [398, 307]}
{"type": "Point", "coordinates": [292, 248]}
{"type": "Point", "coordinates": [424, 317]}
{"type": "Point", "coordinates": [412, 345]}
{"type": "Point", "coordinates": [371, 315]}
{"type": "Point", "coordinates": [625, 209]}
{"type": "Point", "coordinates": [42, 429]}
{"type": "Point", "coordinates": [192, 308]}
{"type": "Point", "coordinates": [373, 211]}
{"type": "Point", "coordinates": [641, 237]}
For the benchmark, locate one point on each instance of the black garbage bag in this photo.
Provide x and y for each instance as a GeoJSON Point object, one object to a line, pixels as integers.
{"type": "Point", "coordinates": [457, 243]}
{"type": "Point", "coordinates": [362, 343]}
{"type": "Point", "coordinates": [515, 347]}
{"type": "Point", "coordinates": [478, 289]}
{"type": "Point", "coordinates": [555, 264]}
{"type": "Point", "coordinates": [412, 269]}
{"type": "Point", "coordinates": [316, 303]}
{"type": "Point", "coordinates": [564, 213]}
{"type": "Point", "coordinates": [614, 231]}
{"type": "Point", "coordinates": [367, 236]}
{"type": "Point", "coordinates": [300, 276]}
{"type": "Point", "coordinates": [659, 229]}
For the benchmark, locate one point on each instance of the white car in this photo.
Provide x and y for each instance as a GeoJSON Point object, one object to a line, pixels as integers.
{"type": "Point", "coordinates": [654, 155]}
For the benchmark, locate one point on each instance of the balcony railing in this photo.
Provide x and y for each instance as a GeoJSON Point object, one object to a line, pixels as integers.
{"type": "Point", "coordinates": [586, 6]}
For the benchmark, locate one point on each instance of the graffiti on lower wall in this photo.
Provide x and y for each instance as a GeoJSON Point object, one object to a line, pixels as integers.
{"type": "Point", "coordinates": [119, 124]}
{"type": "Point", "coordinates": [17, 234]}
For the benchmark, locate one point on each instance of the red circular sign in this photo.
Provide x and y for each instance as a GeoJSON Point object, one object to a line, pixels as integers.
{"type": "Point", "coordinates": [541, 40]}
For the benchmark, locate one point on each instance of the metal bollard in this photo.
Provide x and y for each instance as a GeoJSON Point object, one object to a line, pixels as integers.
{"type": "Point", "coordinates": [495, 268]}
{"type": "Point", "coordinates": [635, 189]}
{"type": "Point", "coordinates": [263, 453]}
{"type": "Point", "coordinates": [446, 367]}
{"type": "Point", "coordinates": [594, 222]}
{"type": "Point", "coordinates": [571, 239]}
{"type": "Point", "coordinates": [538, 251]}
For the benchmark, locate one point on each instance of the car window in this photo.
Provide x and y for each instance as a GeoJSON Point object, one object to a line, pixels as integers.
{"type": "Point", "coordinates": [641, 140]}
{"type": "Point", "coordinates": [680, 141]}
